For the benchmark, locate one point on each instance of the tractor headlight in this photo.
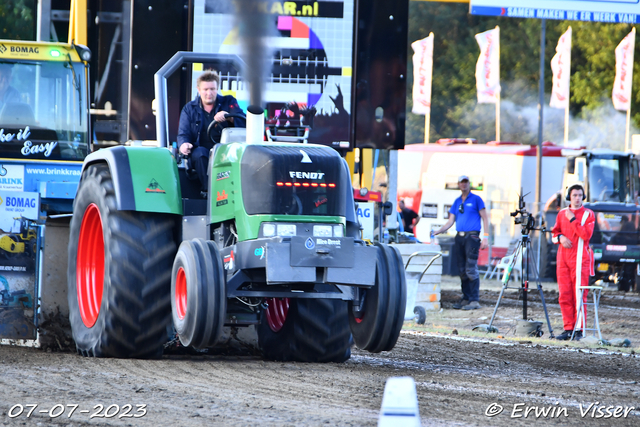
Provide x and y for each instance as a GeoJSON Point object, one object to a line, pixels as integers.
{"type": "Point", "coordinates": [322, 231]}
{"type": "Point", "coordinates": [286, 230]}
{"type": "Point", "coordinates": [268, 230]}
{"type": "Point", "coordinates": [338, 231]}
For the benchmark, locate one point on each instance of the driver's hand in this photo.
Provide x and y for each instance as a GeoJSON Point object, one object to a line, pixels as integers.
{"type": "Point", "coordinates": [220, 116]}
{"type": "Point", "coordinates": [186, 148]}
{"type": "Point", "coordinates": [565, 242]}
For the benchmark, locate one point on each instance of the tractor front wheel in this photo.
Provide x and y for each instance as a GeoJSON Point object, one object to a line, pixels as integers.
{"type": "Point", "coordinates": [118, 273]}
{"type": "Point", "coordinates": [198, 295]}
{"type": "Point", "coordinates": [377, 325]}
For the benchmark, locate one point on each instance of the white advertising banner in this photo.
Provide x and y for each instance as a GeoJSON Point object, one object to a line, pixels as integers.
{"type": "Point", "coordinates": [488, 67]}
{"type": "Point", "coordinates": [365, 213]}
{"type": "Point", "coordinates": [621, 93]}
{"type": "Point", "coordinates": [11, 177]}
{"type": "Point", "coordinates": [561, 70]}
{"type": "Point", "coordinates": [15, 205]}
{"type": "Point", "coordinates": [422, 75]}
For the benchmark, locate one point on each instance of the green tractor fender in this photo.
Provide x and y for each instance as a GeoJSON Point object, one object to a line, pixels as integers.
{"type": "Point", "coordinates": [145, 178]}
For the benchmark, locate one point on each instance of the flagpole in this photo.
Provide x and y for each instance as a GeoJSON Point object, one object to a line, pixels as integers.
{"type": "Point", "coordinates": [498, 118]}
{"type": "Point", "coordinates": [427, 120]}
{"type": "Point", "coordinates": [626, 130]}
{"type": "Point", "coordinates": [566, 125]}
{"type": "Point", "coordinates": [566, 110]}
{"type": "Point", "coordinates": [499, 92]}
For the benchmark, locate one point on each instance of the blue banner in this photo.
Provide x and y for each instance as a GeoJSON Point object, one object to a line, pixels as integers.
{"type": "Point", "coordinates": [612, 11]}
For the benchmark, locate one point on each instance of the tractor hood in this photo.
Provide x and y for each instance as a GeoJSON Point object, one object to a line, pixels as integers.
{"type": "Point", "coordinates": [293, 180]}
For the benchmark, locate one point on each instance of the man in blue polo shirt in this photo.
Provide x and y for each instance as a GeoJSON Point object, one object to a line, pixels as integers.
{"type": "Point", "coordinates": [466, 212]}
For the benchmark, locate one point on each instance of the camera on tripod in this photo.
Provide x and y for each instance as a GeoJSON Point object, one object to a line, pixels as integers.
{"type": "Point", "coordinates": [521, 216]}
{"type": "Point", "coordinates": [524, 253]}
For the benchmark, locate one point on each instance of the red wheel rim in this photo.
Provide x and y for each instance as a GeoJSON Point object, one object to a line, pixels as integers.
{"type": "Point", "coordinates": [277, 312]}
{"type": "Point", "coordinates": [90, 266]}
{"type": "Point", "coordinates": [181, 293]}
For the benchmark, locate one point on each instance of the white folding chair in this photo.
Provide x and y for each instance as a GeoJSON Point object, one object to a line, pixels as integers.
{"type": "Point", "coordinates": [504, 263]}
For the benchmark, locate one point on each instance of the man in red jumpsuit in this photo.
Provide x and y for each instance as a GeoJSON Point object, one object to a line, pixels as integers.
{"type": "Point", "coordinates": [573, 230]}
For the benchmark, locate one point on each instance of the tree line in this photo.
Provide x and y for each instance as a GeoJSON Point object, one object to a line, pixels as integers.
{"type": "Point", "coordinates": [454, 108]}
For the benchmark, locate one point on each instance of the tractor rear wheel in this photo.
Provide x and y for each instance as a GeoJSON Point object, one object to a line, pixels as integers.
{"type": "Point", "coordinates": [378, 325]}
{"type": "Point", "coordinates": [119, 273]}
{"type": "Point", "coordinates": [198, 296]}
{"type": "Point", "coordinates": [305, 330]}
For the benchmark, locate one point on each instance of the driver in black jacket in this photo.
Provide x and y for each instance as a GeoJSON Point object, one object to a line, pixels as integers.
{"type": "Point", "coordinates": [195, 118]}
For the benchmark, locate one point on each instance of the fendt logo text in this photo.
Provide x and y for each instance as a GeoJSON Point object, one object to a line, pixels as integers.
{"type": "Point", "coordinates": [306, 175]}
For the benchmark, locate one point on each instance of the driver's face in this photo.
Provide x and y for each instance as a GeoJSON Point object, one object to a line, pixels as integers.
{"type": "Point", "coordinates": [208, 92]}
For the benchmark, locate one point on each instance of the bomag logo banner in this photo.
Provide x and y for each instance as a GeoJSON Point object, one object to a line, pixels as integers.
{"type": "Point", "coordinates": [24, 49]}
{"type": "Point", "coordinates": [316, 9]}
{"type": "Point", "coordinates": [16, 204]}
{"type": "Point", "coordinates": [20, 50]}
{"type": "Point", "coordinates": [38, 51]}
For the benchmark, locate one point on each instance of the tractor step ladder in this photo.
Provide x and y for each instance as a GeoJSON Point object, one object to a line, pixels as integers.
{"type": "Point", "coordinates": [595, 291]}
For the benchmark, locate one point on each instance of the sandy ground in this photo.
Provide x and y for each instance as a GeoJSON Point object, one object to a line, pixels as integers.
{"type": "Point", "coordinates": [460, 379]}
{"type": "Point", "coordinates": [619, 312]}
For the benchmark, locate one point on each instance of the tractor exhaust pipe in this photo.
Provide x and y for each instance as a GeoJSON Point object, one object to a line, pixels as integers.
{"type": "Point", "coordinates": [255, 124]}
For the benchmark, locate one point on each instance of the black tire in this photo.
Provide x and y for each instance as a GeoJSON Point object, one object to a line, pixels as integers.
{"type": "Point", "coordinates": [420, 314]}
{"type": "Point", "coordinates": [383, 307]}
{"type": "Point", "coordinates": [311, 330]}
{"type": "Point", "coordinates": [119, 304]}
{"type": "Point", "coordinates": [198, 296]}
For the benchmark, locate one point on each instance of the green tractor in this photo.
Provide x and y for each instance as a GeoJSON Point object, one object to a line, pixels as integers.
{"type": "Point", "coordinates": [276, 245]}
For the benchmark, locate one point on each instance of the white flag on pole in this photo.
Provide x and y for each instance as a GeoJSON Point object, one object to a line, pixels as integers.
{"type": "Point", "coordinates": [488, 66]}
{"type": "Point", "coordinates": [621, 93]}
{"type": "Point", "coordinates": [561, 70]}
{"type": "Point", "coordinates": [422, 74]}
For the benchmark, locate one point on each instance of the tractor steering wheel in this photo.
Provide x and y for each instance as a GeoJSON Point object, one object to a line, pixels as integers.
{"type": "Point", "coordinates": [214, 131]}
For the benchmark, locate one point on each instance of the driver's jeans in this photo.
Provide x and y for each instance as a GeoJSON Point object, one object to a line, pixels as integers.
{"type": "Point", "coordinates": [467, 250]}
{"type": "Point", "coordinates": [200, 162]}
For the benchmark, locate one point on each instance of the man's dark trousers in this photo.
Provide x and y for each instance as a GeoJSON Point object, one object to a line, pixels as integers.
{"type": "Point", "coordinates": [467, 248]}
{"type": "Point", "coordinates": [200, 162]}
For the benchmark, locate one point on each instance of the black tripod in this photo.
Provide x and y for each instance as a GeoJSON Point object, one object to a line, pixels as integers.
{"type": "Point", "coordinates": [525, 252]}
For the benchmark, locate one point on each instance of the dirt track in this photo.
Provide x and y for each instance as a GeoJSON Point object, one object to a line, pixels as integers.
{"type": "Point", "coordinates": [457, 380]}
{"type": "Point", "coordinates": [459, 377]}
